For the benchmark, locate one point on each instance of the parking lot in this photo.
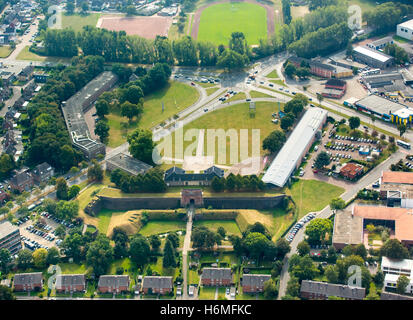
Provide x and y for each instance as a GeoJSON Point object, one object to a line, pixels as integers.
{"type": "Point", "coordinates": [290, 235]}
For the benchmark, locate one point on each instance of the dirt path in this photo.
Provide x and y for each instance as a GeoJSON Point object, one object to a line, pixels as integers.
{"type": "Point", "coordinates": [197, 16]}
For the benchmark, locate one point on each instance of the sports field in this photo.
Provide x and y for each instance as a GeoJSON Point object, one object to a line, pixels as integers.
{"type": "Point", "coordinates": [78, 21]}
{"type": "Point", "coordinates": [217, 22]}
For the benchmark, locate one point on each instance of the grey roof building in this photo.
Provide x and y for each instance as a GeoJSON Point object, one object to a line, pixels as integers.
{"type": "Point", "coordinates": [254, 282]}
{"type": "Point", "coordinates": [394, 296]}
{"type": "Point", "coordinates": [323, 290]}
{"type": "Point", "coordinates": [372, 57]}
{"type": "Point", "coordinates": [157, 283]}
{"type": "Point", "coordinates": [27, 281]}
{"type": "Point", "coordinates": [113, 283]}
{"type": "Point", "coordinates": [74, 109]}
{"type": "Point", "coordinates": [10, 237]}
{"type": "Point", "coordinates": [70, 282]}
{"type": "Point", "coordinates": [217, 274]}
{"type": "Point", "coordinates": [176, 176]}
{"type": "Point", "coordinates": [42, 172]}
{"type": "Point", "coordinates": [127, 163]}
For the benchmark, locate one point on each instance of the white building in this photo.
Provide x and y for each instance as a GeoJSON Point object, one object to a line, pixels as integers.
{"type": "Point", "coordinates": [405, 30]}
{"type": "Point", "coordinates": [393, 269]}
{"type": "Point", "coordinates": [289, 157]}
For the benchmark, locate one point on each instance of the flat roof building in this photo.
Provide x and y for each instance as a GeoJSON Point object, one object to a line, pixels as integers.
{"type": "Point", "coordinates": [405, 30]}
{"type": "Point", "coordinates": [393, 269]}
{"type": "Point", "coordinates": [372, 58]}
{"type": "Point", "coordinates": [74, 109]}
{"type": "Point", "coordinates": [127, 163]}
{"type": "Point", "coordinates": [348, 229]}
{"type": "Point", "coordinates": [10, 237]}
{"type": "Point", "coordinates": [295, 148]}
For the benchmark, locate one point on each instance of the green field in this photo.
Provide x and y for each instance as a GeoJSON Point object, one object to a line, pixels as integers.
{"type": "Point", "coordinates": [25, 54]}
{"type": "Point", "coordinates": [156, 227]}
{"type": "Point", "coordinates": [225, 119]}
{"type": "Point", "coordinates": [230, 226]}
{"type": "Point", "coordinates": [313, 195]}
{"type": "Point", "coordinates": [220, 20]}
{"type": "Point", "coordinates": [5, 51]}
{"type": "Point", "coordinates": [77, 21]}
{"type": "Point", "coordinates": [257, 94]}
{"type": "Point", "coordinates": [176, 96]}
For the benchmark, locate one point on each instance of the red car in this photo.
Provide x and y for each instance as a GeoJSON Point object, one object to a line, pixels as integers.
{"type": "Point", "coordinates": [192, 83]}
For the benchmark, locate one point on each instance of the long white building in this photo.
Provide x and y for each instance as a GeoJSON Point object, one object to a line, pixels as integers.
{"type": "Point", "coordinates": [289, 157]}
{"type": "Point", "coordinates": [405, 30]}
{"type": "Point", "coordinates": [393, 269]}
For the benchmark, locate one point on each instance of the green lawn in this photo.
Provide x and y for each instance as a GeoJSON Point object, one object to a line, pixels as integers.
{"type": "Point", "coordinates": [176, 96]}
{"type": "Point", "coordinates": [25, 54]}
{"type": "Point", "coordinates": [220, 20]}
{"type": "Point", "coordinates": [365, 5]}
{"type": "Point", "coordinates": [207, 293]}
{"type": "Point", "coordinates": [72, 268]}
{"type": "Point", "coordinates": [278, 82]}
{"type": "Point", "coordinates": [104, 219]}
{"type": "Point", "coordinates": [210, 91]}
{"type": "Point", "coordinates": [313, 195]}
{"type": "Point", "coordinates": [5, 51]}
{"type": "Point", "coordinates": [257, 94]}
{"type": "Point", "coordinates": [77, 21]}
{"type": "Point", "coordinates": [230, 226]}
{"type": "Point", "coordinates": [237, 97]}
{"type": "Point", "coordinates": [225, 119]}
{"type": "Point", "coordinates": [273, 74]}
{"type": "Point", "coordinates": [156, 227]}
{"type": "Point", "coordinates": [400, 39]}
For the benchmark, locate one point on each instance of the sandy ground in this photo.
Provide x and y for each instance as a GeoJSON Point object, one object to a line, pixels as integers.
{"type": "Point", "coordinates": [146, 27]}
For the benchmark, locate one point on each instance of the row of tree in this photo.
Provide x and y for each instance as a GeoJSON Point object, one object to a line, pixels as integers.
{"type": "Point", "coordinates": [152, 181]}
{"type": "Point", "coordinates": [237, 183]}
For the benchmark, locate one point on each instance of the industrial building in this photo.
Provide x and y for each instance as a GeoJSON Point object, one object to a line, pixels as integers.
{"type": "Point", "coordinates": [74, 109]}
{"type": "Point", "coordinates": [396, 188]}
{"type": "Point", "coordinates": [334, 88]}
{"type": "Point", "coordinates": [385, 109]}
{"type": "Point", "coordinates": [372, 58]}
{"type": "Point", "coordinates": [380, 43]}
{"type": "Point", "coordinates": [405, 30]}
{"type": "Point", "coordinates": [10, 237]}
{"type": "Point", "coordinates": [320, 69]}
{"type": "Point", "coordinates": [289, 157]}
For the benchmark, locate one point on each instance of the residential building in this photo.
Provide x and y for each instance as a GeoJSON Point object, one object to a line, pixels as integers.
{"type": "Point", "coordinates": [216, 277]}
{"type": "Point", "coordinates": [299, 142]}
{"type": "Point", "coordinates": [10, 237]}
{"type": "Point", "coordinates": [42, 172]}
{"type": "Point", "coordinates": [22, 181]}
{"type": "Point", "coordinates": [127, 163]}
{"type": "Point", "coordinates": [28, 281]}
{"type": "Point", "coordinates": [113, 283]}
{"type": "Point", "coordinates": [316, 290]}
{"type": "Point", "coordinates": [352, 171]}
{"type": "Point", "coordinates": [26, 73]}
{"type": "Point", "coordinates": [394, 296]}
{"type": "Point", "coordinates": [40, 77]}
{"type": "Point", "coordinates": [372, 58]}
{"type": "Point", "coordinates": [70, 283]}
{"type": "Point", "coordinates": [393, 269]}
{"type": "Point", "coordinates": [176, 176]}
{"type": "Point", "coordinates": [157, 285]}
{"type": "Point", "coordinates": [3, 196]}
{"type": "Point", "coordinates": [405, 30]}
{"type": "Point", "coordinates": [252, 283]}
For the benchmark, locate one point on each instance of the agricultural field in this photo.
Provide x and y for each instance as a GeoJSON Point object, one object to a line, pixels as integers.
{"type": "Point", "coordinates": [217, 22]}
{"type": "Point", "coordinates": [176, 96]}
{"type": "Point", "coordinates": [78, 21]}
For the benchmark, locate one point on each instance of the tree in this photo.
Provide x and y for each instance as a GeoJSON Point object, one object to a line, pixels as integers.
{"type": "Point", "coordinates": [102, 108]}
{"type": "Point", "coordinates": [305, 269]}
{"type": "Point", "coordinates": [67, 210]}
{"type": "Point", "coordinates": [70, 8]}
{"type": "Point", "coordinates": [100, 255]}
{"type": "Point", "coordinates": [337, 204]}
{"type": "Point", "coordinates": [155, 242]}
{"type": "Point", "coordinates": [169, 260]}
{"type": "Point", "coordinates": [203, 238]}
{"type": "Point", "coordinates": [61, 189]}
{"type": "Point", "coordinates": [360, 250]}
{"type": "Point", "coordinates": [131, 10]}
{"type": "Point", "coordinates": [85, 7]}
{"type": "Point", "coordinates": [53, 256]}
{"type": "Point", "coordinates": [372, 293]}
{"type": "Point", "coordinates": [133, 94]}
{"type": "Point", "coordinates": [174, 238]}
{"type": "Point", "coordinates": [139, 250]}
{"type": "Point", "coordinates": [95, 172]}
{"type": "Point", "coordinates": [317, 230]}
{"type": "Point", "coordinates": [72, 246]}
{"type": "Point", "coordinates": [60, 231]}
{"type": "Point", "coordinates": [274, 141]}
{"type": "Point", "coordinates": [73, 191]}
{"type": "Point", "coordinates": [270, 290]}
{"type": "Point", "coordinates": [5, 259]}
{"type": "Point", "coordinates": [221, 231]}
{"type": "Point", "coordinates": [331, 274]}
{"type": "Point", "coordinates": [141, 145]}
{"type": "Point", "coordinates": [303, 248]}
{"type": "Point", "coordinates": [287, 121]}
{"type": "Point", "coordinates": [6, 293]}
{"type": "Point", "coordinates": [256, 244]}
{"type": "Point", "coordinates": [283, 247]}
{"type": "Point", "coordinates": [320, 98]}
{"type": "Point", "coordinates": [394, 249]}
{"type": "Point", "coordinates": [102, 130]}
{"type": "Point", "coordinates": [130, 110]}
{"type": "Point", "coordinates": [354, 122]}
{"type": "Point", "coordinates": [6, 165]}
{"type": "Point", "coordinates": [218, 184]}
{"type": "Point", "coordinates": [402, 283]}
{"type": "Point", "coordinates": [290, 70]}
{"type": "Point", "coordinates": [229, 59]}
{"type": "Point", "coordinates": [293, 287]}
{"type": "Point", "coordinates": [39, 258]}
{"type": "Point", "coordinates": [402, 128]}
{"type": "Point", "coordinates": [24, 259]}
{"type": "Point", "coordinates": [121, 239]}
{"type": "Point", "coordinates": [322, 160]}
{"type": "Point", "coordinates": [286, 9]}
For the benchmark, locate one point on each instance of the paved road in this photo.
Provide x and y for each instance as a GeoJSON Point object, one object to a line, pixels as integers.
{"type": "Point", "coordinates": [185, 249]}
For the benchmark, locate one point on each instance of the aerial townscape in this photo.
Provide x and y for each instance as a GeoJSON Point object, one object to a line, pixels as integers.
{"type": "Point", "coordinates": [206, 150]}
